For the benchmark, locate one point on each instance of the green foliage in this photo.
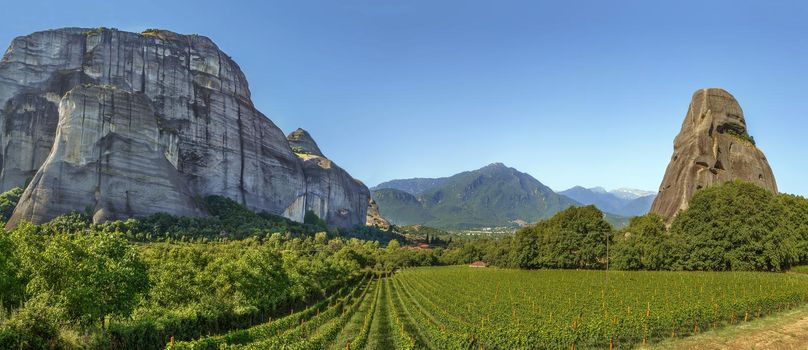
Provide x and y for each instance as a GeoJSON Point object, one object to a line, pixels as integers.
{"type": "Point", "coordinates": [90, 275]}
{"type": "Point", "coordinates": [300, 150]}
{"type": "Point", "coordinates": [8, 201]}
{"type": "Point", "coordinates": [573, 238]}
{"type": "Point", "coordinates": [743, 136]}
{"type": "Point", "coordinates": [733, 226]}
{"type": "Point", "coordinates": [459, 307]}
{"type": "Point", "coordinates": [98, 30]}
{"type": "Point", "coordinates": [11, 284]}
{"type": "Point", "coordinates": [737, 226]}
{"type": "Point", "coordinates": [641, 245]}
{"type": "Point", "coordinates": [312, 219]}
{"type": "Point", "coordinates": [34, 326]}
{"type": "Point", "coordinates": [228, 220]}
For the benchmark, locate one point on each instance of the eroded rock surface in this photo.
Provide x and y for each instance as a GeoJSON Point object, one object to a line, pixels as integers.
{"type": "Point", "coordinates": [375, 218]}
{"type": "Point", "coordinates": [108, 160]}
{"type": "Point", "coordinates": [331, 192]}
{"type": "Point", "coordinates": [209, 130]}
{"type": "Point", "coordinates": [713, 146]}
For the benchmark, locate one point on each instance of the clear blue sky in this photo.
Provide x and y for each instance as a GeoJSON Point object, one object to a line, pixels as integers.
{"type": "Point", "coordinates": [589, 94]}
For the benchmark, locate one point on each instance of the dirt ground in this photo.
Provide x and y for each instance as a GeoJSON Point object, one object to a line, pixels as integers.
{"type": "Point", "coordinates": [785, 331]}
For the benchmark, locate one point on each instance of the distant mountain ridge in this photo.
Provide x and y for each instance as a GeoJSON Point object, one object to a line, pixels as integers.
{"type": "Point", "coordinates": [414, 186]}
{"type": "Point", "coordinates": [495, 195]}
{"type": "Point", "coordinates": [623, 202]}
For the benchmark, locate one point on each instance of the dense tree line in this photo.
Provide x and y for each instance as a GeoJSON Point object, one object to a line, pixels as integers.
{"type": "Point", "coordinates": [734, 226]}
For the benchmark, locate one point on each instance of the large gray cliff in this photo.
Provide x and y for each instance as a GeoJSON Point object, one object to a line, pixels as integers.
{"type": "Point", "coordinates": [129, 124]}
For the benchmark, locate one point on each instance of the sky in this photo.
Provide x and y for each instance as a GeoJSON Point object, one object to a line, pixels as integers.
{"type": "Point", "coordinates": [587, 93]}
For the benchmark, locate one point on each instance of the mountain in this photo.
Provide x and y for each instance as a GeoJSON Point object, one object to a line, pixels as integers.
{"type": "Point", "coordinates": [713, 146]}
{"type": "Point", "coordinates": [621, 202]}
{"type": "Point", "coordinates": [631, 193]}
{"type": "Point", "coordinates": [413, 186]}
{"type": "Point", "coordinates": [122, 124]}
{"type": "Point", "coordinates": [495, 195]}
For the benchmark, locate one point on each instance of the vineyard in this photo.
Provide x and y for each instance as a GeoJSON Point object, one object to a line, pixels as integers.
{"type": "Point", "coordinates": [468, 308]}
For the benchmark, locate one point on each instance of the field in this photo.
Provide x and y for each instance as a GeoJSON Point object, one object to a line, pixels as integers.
{"type": "Point", "coordinates": [472, 308]}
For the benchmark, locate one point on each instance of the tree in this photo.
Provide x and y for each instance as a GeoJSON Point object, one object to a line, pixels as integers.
{"type": "Point", "coordinates": [8, 201]}
{"type": "Point", "coordinates": [574, 238]}
{"type": "Point", "coordinates": [90, 275]}
{"type": "Point", "coordinates": [11, 285]}
{"type": "Point", "coordinates": [737, 226]}
{"type": "Point", "coordinates": [312, 219]}
{"type": "Point", "coordinates": [640, 246]}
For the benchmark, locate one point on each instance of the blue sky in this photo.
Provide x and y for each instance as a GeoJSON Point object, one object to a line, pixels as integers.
{"type": "Point", "coordinates": [587, 94]}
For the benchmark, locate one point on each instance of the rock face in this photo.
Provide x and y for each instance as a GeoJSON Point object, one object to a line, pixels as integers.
{"type": "Point", "coordinates": [172, 107]}
{"type": "Point", "coordinates": [107, 157]}
{"type": "Point", "coordinates": [331, 192]}
{"type": "Point", "coordinates": [375, 218]}
{"type": "Point", "coordinates": [713, 147]}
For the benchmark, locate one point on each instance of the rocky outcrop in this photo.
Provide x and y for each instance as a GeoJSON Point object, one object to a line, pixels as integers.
{"type": "Point", "coordinates": [108, 159]}
{"type": "Point", "coordinates": [196, 97]}
{"type": "Point", "coordinates": [331, 192]}
{"type": "Point", "coordinates": [713, 146]}
{"type": "Point", "coordinates": [375, 218]}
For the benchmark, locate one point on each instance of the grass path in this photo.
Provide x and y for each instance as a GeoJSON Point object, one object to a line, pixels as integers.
{"type": "Point", "coordinates": [381, 332]}
{"type": "Point", "coordinates": [353, 326]}
{"type": "Point", "coordinates": [788, 330]}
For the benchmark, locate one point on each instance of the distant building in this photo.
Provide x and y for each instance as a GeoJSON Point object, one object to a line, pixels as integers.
{"type": "Point", "coordinates": [478, 264]}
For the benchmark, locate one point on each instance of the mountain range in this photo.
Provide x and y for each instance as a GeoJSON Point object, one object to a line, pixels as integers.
{"type": "Point", "coordinates": [495, 195]}
{"type": "Point", "coordinates": [622, 202]}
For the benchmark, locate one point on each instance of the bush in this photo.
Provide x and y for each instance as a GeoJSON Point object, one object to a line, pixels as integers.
{"type": "Point", "coordinates": [8, 201]}
{"type": "Point", "coordinates": [34, 326]}
{"type": "Point", "coordinates": [90, 275]}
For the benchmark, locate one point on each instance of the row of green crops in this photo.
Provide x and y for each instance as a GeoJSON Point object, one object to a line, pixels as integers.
{"type": "Point", "coordinates": [464, 308]}
{"type": "Point", "coordinates": [313, 328]}
{"type": "Point", "coordinates": [471, 308]}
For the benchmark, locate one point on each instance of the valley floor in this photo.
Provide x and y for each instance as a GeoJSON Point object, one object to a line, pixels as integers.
{"type": "Point", "coordinates": [788, 330]}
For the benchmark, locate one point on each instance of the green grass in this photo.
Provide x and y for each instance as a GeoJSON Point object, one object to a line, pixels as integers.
{"type": "Point", "coordinates": [800, 269]}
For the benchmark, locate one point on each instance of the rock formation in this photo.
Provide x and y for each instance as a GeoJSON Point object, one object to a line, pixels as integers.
{"type": "Point", "coordinates": [713, 146]}
{"type": "Point", "coordinates": [173, 108]}
{"type": "Point", "coordinates": [375, 218]}
{"type": "Point", "coordinates": [331, 192]}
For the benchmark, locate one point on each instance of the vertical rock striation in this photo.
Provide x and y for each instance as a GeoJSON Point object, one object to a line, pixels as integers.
{"type": "Point", "coordinates": [713, 146]}
{"type": "Point", "coordinates": [107, 159]}
{"type": "Point", "coordinates": [331, 192]}
{"type": "Point", "coordinates": [375, 218]}
{"type": "Point", "coordinates": [182, 88]}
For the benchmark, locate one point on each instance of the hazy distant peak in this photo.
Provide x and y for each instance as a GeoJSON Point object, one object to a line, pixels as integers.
{"type": "Point", "coordinates": [598, 189]}
{"type": "Point", "coordinates": [631, 193]}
